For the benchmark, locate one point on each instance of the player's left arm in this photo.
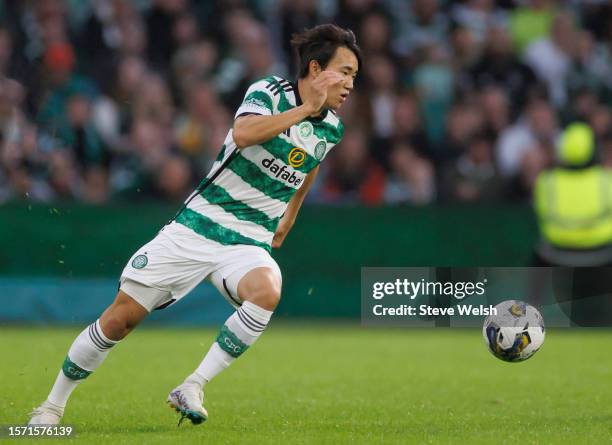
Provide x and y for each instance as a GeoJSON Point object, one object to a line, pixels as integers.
{"type": "Point", "coordinates": [293, 207]}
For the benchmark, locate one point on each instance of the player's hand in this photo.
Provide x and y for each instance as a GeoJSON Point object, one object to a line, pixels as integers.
{"type": "Point", "coordinates": [319, 88]}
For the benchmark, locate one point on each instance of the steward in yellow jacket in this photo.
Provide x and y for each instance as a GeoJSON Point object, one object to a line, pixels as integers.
{"type": "Point", "coordinates": [573, 203]}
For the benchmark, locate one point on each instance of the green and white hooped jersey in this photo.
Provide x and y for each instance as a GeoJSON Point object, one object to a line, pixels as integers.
{"type": "Point", "coordinates": [246, 192]}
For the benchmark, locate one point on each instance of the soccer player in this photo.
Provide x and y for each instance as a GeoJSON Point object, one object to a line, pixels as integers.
{"type": "Point", "coordinates": [224, 232]}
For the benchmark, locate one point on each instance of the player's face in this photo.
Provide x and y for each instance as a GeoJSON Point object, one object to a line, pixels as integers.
{"type": "Point", "coordinates": [344, 62]}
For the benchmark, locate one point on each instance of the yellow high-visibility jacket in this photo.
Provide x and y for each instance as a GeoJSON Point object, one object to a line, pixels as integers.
{"type": "Point", "coordinates": [574, 207]}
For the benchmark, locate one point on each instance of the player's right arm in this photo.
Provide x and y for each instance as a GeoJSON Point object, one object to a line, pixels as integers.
{"type": "Point", "coordinates": [251, 128]}
{"type": "Point", "coordinates": [254, 129]}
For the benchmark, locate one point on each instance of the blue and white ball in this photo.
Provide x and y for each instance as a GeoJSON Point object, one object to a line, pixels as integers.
{"type": "Point", "coordinates": [515, 333]}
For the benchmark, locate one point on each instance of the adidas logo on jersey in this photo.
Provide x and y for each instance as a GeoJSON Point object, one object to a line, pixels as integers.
{"type": "Point", "coordinates": [281, 171]}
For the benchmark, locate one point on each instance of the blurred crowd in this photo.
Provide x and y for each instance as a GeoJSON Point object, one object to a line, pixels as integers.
{"type": "Point", "coordinates": [457, 101]}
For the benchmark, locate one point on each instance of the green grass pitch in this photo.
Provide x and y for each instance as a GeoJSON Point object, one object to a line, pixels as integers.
{"type": "Point", "coordinates": [326, 384]}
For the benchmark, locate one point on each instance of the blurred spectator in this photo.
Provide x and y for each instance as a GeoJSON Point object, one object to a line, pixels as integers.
{"type": "Point", "coordinates": [411, 180]}
{"type": "Point", "coordinates": [150, 144]}
{"type": "Point", "coordinates": [294, 17]}
{"type": "Point", "coordinates": [63, 175]}
{"type": "Point", "coordinates": [495, 105]}
{"type": "Point", "coordinates": [60, 82]}
{"type": "Point", "coordinates": [112, 113]}
{"type": "Point", "coordinates": [597, 17]}
{"type": "Point", "coordinates": [134, 39]}
{"type": "Point", "coordinates": [376, 26]}
{"type": "Point", "coordinates": [23, 167]}
{"type": "Point", "coordinates": [114, 27]}
{"type": "Point", "coordinates": [80, 135]}
{"type": "Point", "coordinates": [201, 130]}
{"type": "Point", "coordinates": [478, 16]}
{"type": "Point", "coordinates": [465, 52]}
{"type": "Point", "coordinates": [250, 57]}
{"type": "Point", "coordinates": [174, 181]}
{"type": "Point", "coordinates": [583, 104]}
{"type": "Point", "coordinates": [592, 67]}
{"type": "Point", "coordinates": [407, 125]}
{"type": "Point", "coordinates": [351, 13]}
{"type": "Point", "coordinates": [353, 177]}
{"type": "Point", "coordinates": [571, 202]}
{"type": "Point", "coordinates": [427, 25]}
{"type": "Point", "coordinates": [7, 60]}
{"type": "Point", "coordinates": [500, 66]}
{"type": "Point", "coordinates": [536, 129]}
{"type": "Point", "coordinates": [600, 121]}
{"type": "Point", "coordinates": [533, 162]}
{"type": "Point", "coordinates": [433, 82]}
{"type": "Point", "coordinates": [153, 101]}
{"type": "Point", "coordinates": [463, 122]}
{"type": "Point", "coordinates": [550, 57]}
{"type": "Point", "coordinates": [186, 30]}
{"type": "Point", "coordinates": [473, 177]}
{"type": "Point", "coordinates": [11, 117]}
{"type": "Point", "coordinates": [194, 62]}
{"type": "Point", "coordinates": [407, 129]}
{"type": "Point", "coordinates": [167, 23]}
{"type": "Point", "coordinates": [95, 185]}
{"type": "Point", "coordinates": [382, 92]}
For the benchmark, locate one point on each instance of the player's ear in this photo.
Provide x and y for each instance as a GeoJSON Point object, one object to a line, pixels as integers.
{"type": "Point", "coordinates": [314, 68]}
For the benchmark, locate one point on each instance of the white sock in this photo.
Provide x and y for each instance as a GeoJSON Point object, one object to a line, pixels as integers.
{"type": "Point", "coordinates": [239, 332]}
{"type": "Point", "coordinates": [62, 388]}
{"type": "Point", "coordinates": [87, 352]}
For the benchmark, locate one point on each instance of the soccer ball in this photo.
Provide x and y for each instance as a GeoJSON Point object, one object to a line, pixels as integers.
{"type": "Point", "coordinates": [515, 333]}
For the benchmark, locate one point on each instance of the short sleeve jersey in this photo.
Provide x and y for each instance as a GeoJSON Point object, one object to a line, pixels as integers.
{"type": "Point", "coordinates": [246, 192]}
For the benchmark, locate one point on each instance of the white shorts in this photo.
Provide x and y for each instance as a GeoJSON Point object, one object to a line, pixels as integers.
{"type": "Point", "coordinates": [172, 264]}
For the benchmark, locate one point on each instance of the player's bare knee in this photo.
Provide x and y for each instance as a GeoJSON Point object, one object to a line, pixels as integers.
{"type": "Point", "coordinates": [273, 294]}
{"type": "Point", "coordinates": [269, 296]}
{"type": "Point", "coordinates": [121, 317]}
{"type": "Point", "coordinates": [114, 325]}
{"type": "Point", "coordinates": [261, 287]}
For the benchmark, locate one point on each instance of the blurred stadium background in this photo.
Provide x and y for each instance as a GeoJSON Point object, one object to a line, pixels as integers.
{"type": "Point", "coordinates": [458, 101]}
{"type": "Point", "coordinates": [112, 110]}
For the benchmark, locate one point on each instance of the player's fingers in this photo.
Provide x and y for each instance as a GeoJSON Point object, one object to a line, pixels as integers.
{"type": "Point", "coordinates": [327, 77]}
{"type": "Point", "coordinates": [333, 79]}
{"type": "Point", "coordinates": [320, 81]}
{"type": "Point", "coordinates": [330, 76]}
{"type": "Point", "coordinates": [337, 77]}
{"type": "Point", "coordinates": [333, 74]}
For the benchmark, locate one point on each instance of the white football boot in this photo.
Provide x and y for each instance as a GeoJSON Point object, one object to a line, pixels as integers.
{"type": "Point", "coordinates": [46, 414]}
{"type": "Point", "coordinates": [187, 399]}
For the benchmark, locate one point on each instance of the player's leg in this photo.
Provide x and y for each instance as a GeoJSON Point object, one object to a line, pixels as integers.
{"type": "Point", "coordinates": [256, 293]}
{"type": "Point", "coordinates": [260, 291]}
{"type": "Point", "coordinates": [89, 350]}
{"type": "Point", "coordinates": [156, 276]}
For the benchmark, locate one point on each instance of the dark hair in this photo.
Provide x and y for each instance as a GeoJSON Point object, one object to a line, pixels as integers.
{"type": "Point", "coordinates": [320, 44]}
